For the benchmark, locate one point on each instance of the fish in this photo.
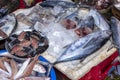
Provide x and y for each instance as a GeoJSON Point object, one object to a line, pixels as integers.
{"type": "Point", "coordinates": [115, 28]}
{"type": "Point", "coordinates": [26, 44]}
{"type": "Point", "coordinates": [14, 68]}
{"type": "Point", "coordinates": [8, 67]}
{"type": "Point", "coordinates": [84, 46]}
{"type": "Point", "coordinates": [2, 65]}
{"type": "Point", "coordinates": [28, 70]}
{"type": "Point", "coordinates": [8, 24]}
{"type": "Point", "coordinates": [63, 4]}
{"type": "Point", "coordinates": [22, 69]}
{"type": "Point", "coordinates": [4, 73]}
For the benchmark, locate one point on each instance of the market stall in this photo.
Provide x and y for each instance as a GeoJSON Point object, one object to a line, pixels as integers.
{"type": "Point", "coordinates": [78, 39]}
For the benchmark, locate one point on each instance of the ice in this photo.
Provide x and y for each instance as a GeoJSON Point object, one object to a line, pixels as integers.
{"type": "Point", "coordinates": [58, 37]}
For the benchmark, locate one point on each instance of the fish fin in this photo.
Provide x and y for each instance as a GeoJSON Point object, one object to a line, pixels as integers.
{"type": "Point", "coordinates": [87, 43]}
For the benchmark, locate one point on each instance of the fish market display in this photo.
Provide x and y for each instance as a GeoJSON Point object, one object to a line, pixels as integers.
{"type": "Point", "coordinates": [11, 69]}
{"type": "Point", "coordinates": [115, 27]}
{"type": "Point", "coordinates": [43, 14]}
{"type": "Point", "coordinates": [27, 43]}
{"type": "Point", "coordinates": [7, 25]}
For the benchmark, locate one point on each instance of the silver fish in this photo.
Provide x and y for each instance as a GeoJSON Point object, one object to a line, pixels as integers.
{"type": "Point", "coordinates": [7, 25]}
{"type": "Point", "coordinates": [115, 28]}
{"type": "Point", "coordinates": [22, 69]}
{"type": "Point", "coordinates": [85, 46]}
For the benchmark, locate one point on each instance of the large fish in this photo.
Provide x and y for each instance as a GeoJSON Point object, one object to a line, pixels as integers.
{"type": "Point", "coordinates": [7, 25]}
{"type": "Point", "coordinates": [115, 28]}
{"type": "Point", "coordinates": [85, 46]}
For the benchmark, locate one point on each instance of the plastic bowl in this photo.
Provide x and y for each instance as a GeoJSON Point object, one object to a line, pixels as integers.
{"type": "Point", "coordinates": [52, 72]}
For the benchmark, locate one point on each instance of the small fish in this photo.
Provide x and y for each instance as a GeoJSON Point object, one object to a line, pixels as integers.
{"type": "Point", "coordinates": [8, 26]}
{"type": "Point", "coordinates": [8, 67]}
{"type": "Point", "coordinates": [2, 65]}
{"type": "Point", "coordinates": [115, 28]}
{"type": "Point", "coordinates": [21, 36]}
{"type": "Point", "coordinates": [16, 48]}
{"type": "Point", "coordinates": [85, 46]}
{"type": "Point", "coordinates": [30, 67]}
{"type": "Point", "coordinates": [4, 73]}
{"type": "Point", "coordinates": [14, 68]}
{"type": "Point", "coordinates": [63, 4]}
{"type": "Point", "coordinates": [22, 69]}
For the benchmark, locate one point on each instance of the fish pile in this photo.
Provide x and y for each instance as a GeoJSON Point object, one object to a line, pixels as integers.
{"type": "Point", "coordinates": [30, 69]}
{"type": "Point", "coordinates": [27, 44]}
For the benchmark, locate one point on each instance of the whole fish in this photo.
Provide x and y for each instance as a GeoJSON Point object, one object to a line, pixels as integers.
{"type": "Point", "coordinates": [7, 25]}
{"type": "Point", "coordinates": [85, 46]}
{"type": "Point", "coordinates": [115, 28]}
{"type": "Point", "coordinates": [22, 69]}
{"type": "Point", "coordinates": [29, 68]}
{"type": "Point", "coordinates": [63, 4]}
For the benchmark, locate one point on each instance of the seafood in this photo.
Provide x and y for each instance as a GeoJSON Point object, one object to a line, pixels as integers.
{"type": "Point", "coordinates": [22, 70]}
{"type": "Point", "coordinates": [7, 25]}
{"type": "Point", "coordinates": [27, 44]}
{"type": "Point", "coordinates": [115, 27]}
{"type": "Point", "coordinates": [84, 46]}
{"type": "Point", "coordinates": [30, 67]}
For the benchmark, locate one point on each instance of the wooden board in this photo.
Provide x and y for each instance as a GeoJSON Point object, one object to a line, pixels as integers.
{"type": "Point", "coordinates": [75, 70]}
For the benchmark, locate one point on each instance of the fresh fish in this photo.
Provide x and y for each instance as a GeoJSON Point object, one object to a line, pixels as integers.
{"type": "Point", "coordinates": [64, 4]}
{"type": "Point", "coordinates": [29, 68]}
{"type": "Point", "coordinates": [26, 44]}
{"type": "Point", "coordinates": [85, 46]}
{"type": "Point", "coordinates": [7, 25]}
{"type": "Point", "coordinates": [115, 28]}
{"type": "Point", "coordinates": [9, 69]}
{"type": "Point", "coordinates": [4, 73]}
{"type": "Point", "coordinates": [35, 78]}
{"type": "Point", "coordinates": [14, 68]}
{"type": "Point", "coordinates": [22, 69]}
{"type": "Point", "coordinates": [2, 64]}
